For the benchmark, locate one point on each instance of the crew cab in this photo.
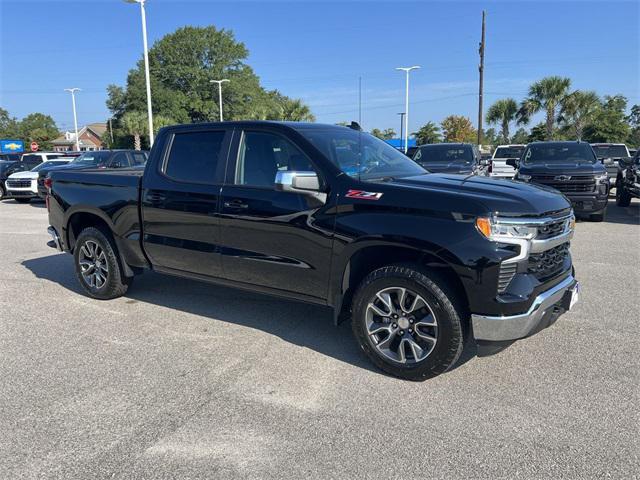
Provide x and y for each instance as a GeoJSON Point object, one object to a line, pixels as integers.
{"type": "Point", "coordinates": [23, 186]}
{"type": "Point", "coordinates": [610, 155]}
{"type": "Point", "coordinates": [571, 168]}
{"type": "Point", "coordinates": [96, 159]}
{"type": "Point", "coordinates": [499, 167]}
{"type": "Point", "coordinates": [417, 261]}
{"type": "Point", "coordinates": [628, 180]}
{"type": "Point", "coordinates": [462, 158]}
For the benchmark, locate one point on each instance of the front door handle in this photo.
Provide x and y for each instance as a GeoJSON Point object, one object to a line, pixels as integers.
{"type": "Point", "coordinates": [236, 204]}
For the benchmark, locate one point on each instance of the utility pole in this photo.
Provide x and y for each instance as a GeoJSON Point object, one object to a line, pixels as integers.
{"type": "Point", "coordinates": [360, 101]}
{"type": "Point", "coordinates": [401, 126]}
{"type": "Point", "coordinates": [73, 91]}
{"type": "Point", "coordinates": [219, 82]}
{"type": "Point", "coordinates": [481, 86]}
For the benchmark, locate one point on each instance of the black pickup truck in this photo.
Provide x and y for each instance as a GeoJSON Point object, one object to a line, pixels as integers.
{"type": "Point", "coordinates": [571, 168]}
{"type": "Point", "coordinates": [418, 261]}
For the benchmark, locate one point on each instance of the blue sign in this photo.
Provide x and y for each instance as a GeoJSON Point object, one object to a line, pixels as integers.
{"type": "Point", "coordinates": [399, 142]}
{"type": "Point", "coordinates": [11, 146]}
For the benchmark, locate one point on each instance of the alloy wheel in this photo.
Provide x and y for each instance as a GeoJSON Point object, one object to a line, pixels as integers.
{"type": "Point", "coordinates": [93, 264]}
{"type": "Point", "coordinates": [401, 325]}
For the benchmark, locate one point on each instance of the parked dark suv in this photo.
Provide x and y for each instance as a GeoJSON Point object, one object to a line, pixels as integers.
{"type": "Point", "coordinates": [571, 168]}
{"type": "Point", "coordinates": [462, 158]}
{"type": "Point", "coordinates": [97, 159]}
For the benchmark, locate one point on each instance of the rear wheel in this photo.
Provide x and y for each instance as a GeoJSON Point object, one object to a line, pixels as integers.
{"type": "Point", "coordinates": [406, 323]}
{"type": "Point", "coordinates": [623, 199]}
{"type": "Point", "coordinates": [97, 266]}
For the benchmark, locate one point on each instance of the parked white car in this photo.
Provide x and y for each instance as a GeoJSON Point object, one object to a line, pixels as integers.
{"type": "Point", "coordinates": [502, 153]}
{"type": "Point", "coordinates": [23, 186]}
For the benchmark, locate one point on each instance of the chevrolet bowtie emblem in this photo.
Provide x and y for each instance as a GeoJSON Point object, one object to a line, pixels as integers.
{"type": "Point", "coordinates": [562, 178]}
{"type": "Point", "coordinates": [13, 146]}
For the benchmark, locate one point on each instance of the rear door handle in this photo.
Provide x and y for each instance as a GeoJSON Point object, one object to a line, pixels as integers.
{"type": "Point", "coordinates": [156, 197]}
{"type": "Point", "coordinates": [236, 204]}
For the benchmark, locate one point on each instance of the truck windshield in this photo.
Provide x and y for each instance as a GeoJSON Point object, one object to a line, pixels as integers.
{"type": "Point", "coordinates": [610, 151]}
{"type": "Point", "coordinates": [508, 152]}
{"type": "Point", "coordinates": [443, 154]}
{"type": "Point", "coordinates": [559, 152]}
{"type": "Point", "coordinates": [361, 155]}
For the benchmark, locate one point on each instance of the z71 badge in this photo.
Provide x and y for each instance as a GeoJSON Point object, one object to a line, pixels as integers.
{"type": "Point", "coordinates": [361, 194]}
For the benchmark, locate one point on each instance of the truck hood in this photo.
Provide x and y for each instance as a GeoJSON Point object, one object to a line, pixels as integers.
{"type": "Point", "coordinates": [27, 174]}
{"type": "Point", "coordinates": [476, 195]}
{"type": "Point", "coordinates": [448, 167]}
{"type": "Point", "coordinates": [557, 168]}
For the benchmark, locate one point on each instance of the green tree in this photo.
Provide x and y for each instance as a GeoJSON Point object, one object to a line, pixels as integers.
{"type": "Point", "coordinates": [428, 133]}
{"type": "Point", "coordinates": [181, 66]}
{"type": "Point", "coordinates": [9, 127]}
{"type": "Point", "coordinates": [520, 137]}
{"type": "Point", "coordinates": [577, 111]}
{"type": "Point", "coordinates": [545, 95]}
{"type": "Point", "coordinates": [457, 128]}
{"type": "Point", "coordinates": [610, 122]}
{"type": "Point", "coordinates": [135, 124]}
{"type": "Point", "coordinates": [386, 134]}
{"type": "Point", "coordinates": [491, 137]}
{"type": "Point", "coordinates": [538, 133]}
{"type": "Point", "coordinates": [634, 122]}
{"type": "Point", "coordinates": [40, 128]}
{"type": "Point", "coordinates": [502, 113]}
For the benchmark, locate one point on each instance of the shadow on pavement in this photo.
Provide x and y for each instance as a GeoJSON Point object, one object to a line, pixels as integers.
{"type": "Point", "coordinates": [302, 324]}
{"type": "Point", "coordinates": [625, 215]}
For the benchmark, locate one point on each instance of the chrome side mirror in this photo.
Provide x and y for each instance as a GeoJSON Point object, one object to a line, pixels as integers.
{"type": "Point", "coordinates": [301, 182]}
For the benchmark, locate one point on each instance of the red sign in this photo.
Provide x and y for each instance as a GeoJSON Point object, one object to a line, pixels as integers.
{"type": "Point", "coordinates": [34, 146]}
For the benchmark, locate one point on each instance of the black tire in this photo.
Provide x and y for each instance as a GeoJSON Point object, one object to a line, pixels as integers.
{"type": "Point", "coordinates": [22, 200]}
{"type": "Point", "coordinates": [116, 284]}
{"type": "Point", "coordinates": [623, 199]}
{"type": "Point", "coordinates": [2, 192]}
{"type": "Point", "coordinates": [444, 306]}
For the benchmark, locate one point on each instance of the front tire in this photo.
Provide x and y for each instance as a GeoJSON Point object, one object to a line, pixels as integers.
{"type": "Point", "coordinates": [406, 324]}
{"type": "Point", "coordinates": [623, 199]}
{"type": "Point", "coordinates": [97, 266]}
{"type": "Point", "coordinates": [2, 192]}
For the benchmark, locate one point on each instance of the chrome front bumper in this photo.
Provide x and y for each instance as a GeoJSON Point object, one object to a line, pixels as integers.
{"type": "Point", "coordinates": [494, 329]}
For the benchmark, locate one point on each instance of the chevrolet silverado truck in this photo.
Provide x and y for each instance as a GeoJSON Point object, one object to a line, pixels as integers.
{"type": "Point", "coordinates": [419, 262]}
{"type": "Point", "coordinates": [571, 168]}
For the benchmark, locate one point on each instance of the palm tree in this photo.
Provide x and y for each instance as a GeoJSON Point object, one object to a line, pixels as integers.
{"type": "Point", "coordinates": [428, 133]}
{"type": "Point", "coordinates": [160, 121]}
{"type": "Point", "coordinates": [295, 110]}
{"type": "Point", "coordinates": [578, 109]}
{"type": "Point", "coordinates": [546, 94]}
{"type": "Point", "coordinates": [503, 112]}
{"type": "Point", "coordinates": [135, 125]}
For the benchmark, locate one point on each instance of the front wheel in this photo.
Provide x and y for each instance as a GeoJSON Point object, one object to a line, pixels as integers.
{"type": "Point", "coordinates": [406, 323]}
{"type": "Point", "coordinates": [623, 199]}
{"type": "Point", "coordinates": [97, 266]}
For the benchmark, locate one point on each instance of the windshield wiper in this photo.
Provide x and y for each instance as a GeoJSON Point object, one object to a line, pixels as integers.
{"type": "Point", "coordinates": [379, 179]}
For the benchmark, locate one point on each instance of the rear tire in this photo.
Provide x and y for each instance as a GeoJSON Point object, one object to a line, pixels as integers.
{"type": "Point", "coordinates": [97, 265]}
{"type": "Point", "coordinates": [409, 341]}
{"type": "Point", "coordinates": [623, 199]}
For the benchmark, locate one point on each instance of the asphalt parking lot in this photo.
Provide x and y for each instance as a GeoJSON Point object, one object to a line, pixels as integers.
{"type": "Point", "coordinates": [186, 380]}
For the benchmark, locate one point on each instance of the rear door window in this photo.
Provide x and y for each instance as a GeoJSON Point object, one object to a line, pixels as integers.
{"type": "Point", "coordinates": [194, 157]}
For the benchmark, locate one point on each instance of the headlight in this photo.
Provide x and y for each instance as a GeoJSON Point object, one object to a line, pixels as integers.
{"type": "Point", "coordinates": [524, 178]}
{"type": "Point", "coordinates": [604, 178]}
{"type": "Point", "coordinates": [495, 230]}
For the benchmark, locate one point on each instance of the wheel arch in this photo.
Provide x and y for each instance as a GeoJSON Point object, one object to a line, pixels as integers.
{"type": "Point", "coordinates": [353, 267]}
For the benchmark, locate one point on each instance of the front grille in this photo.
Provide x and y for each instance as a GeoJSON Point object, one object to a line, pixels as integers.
{"type": "Point", "coordinates": [18, 183]}
{"type": "Point", "coordinates": [507, 272]}
{"type": "Point", "coordinates": [549, 263]}
{"type": "Point", "coordinates": [574, 184]}
{"type": "Point", "coordinates": [553, 229]}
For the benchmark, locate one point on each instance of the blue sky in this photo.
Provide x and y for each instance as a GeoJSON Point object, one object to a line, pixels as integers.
{"type": "Point", "coordinates": [317, 50]}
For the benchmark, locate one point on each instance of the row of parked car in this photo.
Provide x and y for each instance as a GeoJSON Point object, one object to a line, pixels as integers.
{"type": "Point", "coordinates": [581, 171]}
{"type": "Point", "coordinates": [22, 177]}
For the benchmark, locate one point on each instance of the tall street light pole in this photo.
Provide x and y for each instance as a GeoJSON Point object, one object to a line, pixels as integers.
{"type": "Point", "coordinates": [406, 105]}
{"type": "Point", "coordinates": [401, 126]}
{"type": "Point", "coordinates": [146, 66]}
{"type": "Point", "coordinates": [73, 91]}
{"type": "Point", "coordinates": [219, 82]}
